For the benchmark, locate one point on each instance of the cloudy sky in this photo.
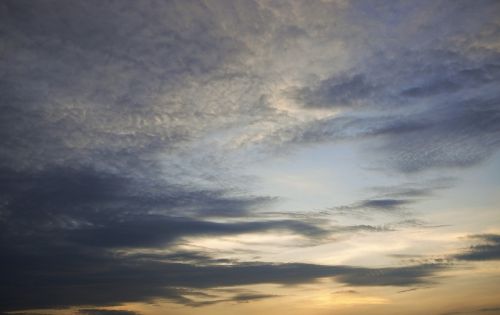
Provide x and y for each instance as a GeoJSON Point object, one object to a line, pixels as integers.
{"type": "Point", "coordinates": [249, 157]}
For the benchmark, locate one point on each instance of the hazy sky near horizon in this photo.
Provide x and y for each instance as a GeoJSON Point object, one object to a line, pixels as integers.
{"type": "Point", "coordinates": [271, 157]}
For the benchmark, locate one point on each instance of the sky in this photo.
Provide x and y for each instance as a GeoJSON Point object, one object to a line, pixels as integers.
{"type": "Point", "coordinates": [249, 157]}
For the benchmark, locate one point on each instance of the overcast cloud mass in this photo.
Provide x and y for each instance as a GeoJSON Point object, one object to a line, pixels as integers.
{"type": "Point", "coordinates": [253, 156]}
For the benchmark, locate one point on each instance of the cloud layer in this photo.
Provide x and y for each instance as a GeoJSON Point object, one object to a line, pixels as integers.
{"type": "Point", "coordinates": [125, 127]}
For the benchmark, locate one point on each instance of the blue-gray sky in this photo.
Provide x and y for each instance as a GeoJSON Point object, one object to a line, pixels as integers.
{"type": "Point", "coordinates": [203, 157]}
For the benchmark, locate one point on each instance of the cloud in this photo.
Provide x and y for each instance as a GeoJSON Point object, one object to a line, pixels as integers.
{"type": "Point", "coordinates": [415, 190]}
{"type": "Point", "coordinates": [161, 79]}
{"type": "Point", "coordinates": [374, 206]}
{"type": "Point", "coordinates": [147, 89]}
{"type": "Point", "coordinates": [384, 204]}
{"type": "Point", "coordinates": [489, 309]}
{"type": "Point", "coordinates": [431, 89]}
{"type": "Point", "coordinates": [429, 104]}
{"type": "Point", "coordinates": [153, 231]}
{"type": "Point", "coordinates": [487, 249]}
{"type": "Point", "coordinates": [124, 124]}
{"type": "Point", "coordinates": [98, 278]}
{"type": "Point", "coordinates": [397, 276]}
{"type": "Point", "coordinates": [455, 133]}
{"type": "Point", "coordinates": [93, 208]}
{"type": "Point", "coordinates": [346, 292]}
{"type": "Point", "coordinates": [94, 311]}
{"type": "Point", "coordinates": [481, 310]}
{"type": "Point", "coordinates": [108, 84]}
{"type": "Point", "coordinates": [61, 229]}
{"type": "Point", "coordinates": [64, 231]}
{"type": "Point", "coordinates": [334, 92]}
{"type": "Point", "coordinates": [409, 290]}
{"type": "Point", "coordinates": [242, 298]}
{"type": "Point", "coordinates": [456, 137]}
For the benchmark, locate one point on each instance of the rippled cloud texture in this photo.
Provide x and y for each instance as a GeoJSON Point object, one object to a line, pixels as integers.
{"type": "Point", "coordinates": [221, 157]}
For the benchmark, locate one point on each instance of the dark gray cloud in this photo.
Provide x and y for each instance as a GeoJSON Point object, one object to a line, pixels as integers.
{"type": "Point", "coordinates": [487, 249]}
{"type": "Point", "coordinates": [341, 91]}
{"type": "Point", "coordinates": [95, 311]}
{"type": "Point", "coordinates": [431, 89]}
{"type": "Point", "coordinates": [251, 297]}
{"type": "Point", "coordinates": [426, 107]}
{"type": "Point", "coordinates": [490, 309]}
{"type": "Point", "coordinates": [409, 290]}
{"type": "Point", "coordinates": [458, 135]}
{"type": "Point", "coordinates": [397, 276]}
{"type": "Point", "coordinates": [362, 228]}
{"type": "Point", "coordinates": [102, 82]}
{"type": "Point", "coordinates": [493, 309]}
{"type": "Point", "coordinates": [372, 206]}
{"type": "Point", "coordinates": [97, 209]}
{"type": "Point", "coordinates": [414, 190]}
{"type": "Point", "coordinates": [153, 231]}
{"type": "Point", "coordinates": [470, 76]}
{"type": "Point", "coordinates": [61, 229]}
{"type": "Point", "coordinates": [98, 278]}
{"type": "Point", "coordinates": [243, 297]}
{"type": "Point", "coordinates": [451, 134]}
{"type": "Point", "coordinates": [384, 204]}
{"type": "Point", "coordinates": [346, 292]}
{"type": "Point", "coordinates": [183, 256]}
{"type": "Point", "coordinates": [396, 201]}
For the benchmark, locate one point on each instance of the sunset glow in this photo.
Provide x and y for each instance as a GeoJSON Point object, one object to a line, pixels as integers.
{"type": "Point", "coordinates": [206, 157]}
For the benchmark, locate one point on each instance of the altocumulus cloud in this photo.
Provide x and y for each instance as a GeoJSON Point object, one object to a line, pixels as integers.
{"type": "Point", "coordinates": [441, 118]}
{"type": "Point", "coordinates": [120, 120]}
